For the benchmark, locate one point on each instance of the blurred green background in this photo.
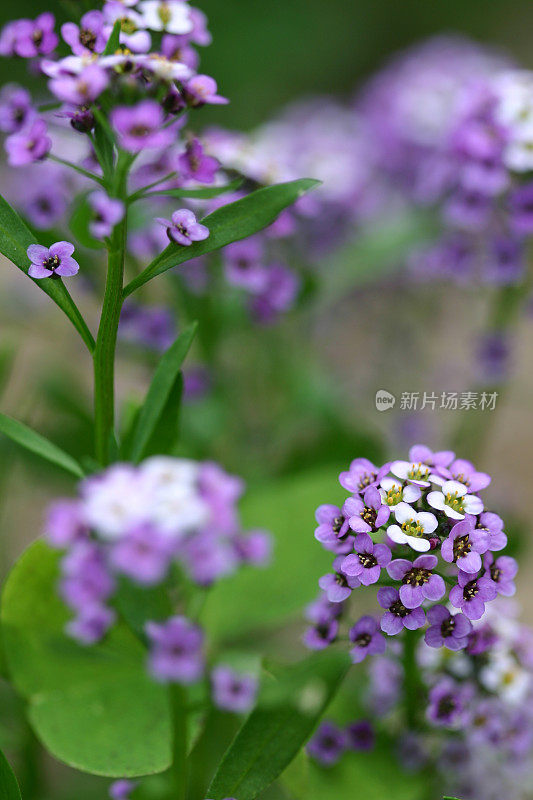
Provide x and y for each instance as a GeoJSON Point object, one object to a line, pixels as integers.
{"type": "Point", "coordinates": [267, 53]}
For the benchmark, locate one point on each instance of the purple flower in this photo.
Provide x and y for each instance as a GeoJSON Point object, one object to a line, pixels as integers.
{"type": "Point", "coordinates": [64, 524]}
{"type": "Point", "coordinates": [464, 472]}
{"type": "Point", "coordinates": [183, 228]}
{"type": "Point", "coordinates": [506, 260]}
{"type": "Point", "coordinates": [173, 48]}
{"type": "Point", "coordinates": [447, 630]}
{"type": "Point", "coordinates": [419, 453]}
{"type": "Point", "coordinates": [255, 548]}
{"type": "Point", "coordinates": [468, 209]}
{"type": "Point", "coordinates": [141, 126]}
{"type": "Point", "coordinates": [86, 580]}
{"type": "Point", "coordinates": [243, 265]}
{"type": "Point", "coordinates": [175, 651]}
{"type": "Point", "coordinates": [8, 37]}
{"type": "Point", "coordinates": [448, 703]}
{"type": "Point", "coordinates": [419, 581]}
{"type": "Point", "coordinates": [35, 37]}
{"type": "Point", "coordinates": [81, 89]}
{"type": "Point", "coordinates": [368, 514]}
{"type": "Point", "coordinates": [327, 745]}
{"type": "Point", "coordinates": [278, 294]}
{"type": "Point", "coordinates": [54, 260]}
{"type": "Point", "coordinates": [232, 691]}
{"type": "Point", "coordinates": [321, 635]}
{"type": "Point", "coordinates": [121, 790]}
{"type": "Point", "coordinates": [368, 560]}
{"type": "Point", "coordinates": [202, 89]}
{"type": "Point", "coordinates": [367, 639]}
{"type": "Point", "coordinates": [197, 383]}
{"type": "Point", "coordinates": [143, 555]}
{"type": "Point", "coordinates": [492, 525]}
{"type": "Point", "coordinates": [360, 736]}
{"type": "Point", "coordinates": [332, 525]}
{"type": "Point", "coordinates": [397, 616]}
{"type": "Point", "coordinates": [337, 585]}
{"type": "Point", "coordinates": [150, 326]}
{"type": "Point", "coordinates": [471, 594]}
{"type": "Point", "coordinates": [91, 623]}
{"type": "Point", "coordinates": [502, 572]}
{"type": "Point", "coordinates": [362, 474]}
{"type": "Point", "coordinates": [108, 212]}
{"type": "Point", "coordinates": [493, 357]}
{"type": "Point", "coordinates": [521, 210]}
{"type": "Point", "coordinates": [465, 545]}
{"type": "Point", "coordinates": [481, 639]}
{"type": "Point", "coordinates": [88, 37]}
{"type": "Point", "coordinates": [16, 108]}
{"type": "Point", "coordinates": [195, 165]}
{"type": "Point", "coordinates": [29, 144]}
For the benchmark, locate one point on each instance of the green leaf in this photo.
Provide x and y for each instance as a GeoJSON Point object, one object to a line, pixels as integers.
{"type": "Point", "coordinates": [228, 224]}
{"type": "Point", "coordinates": [286, 508]}
{"type": "Point", "coordinates": [279, 726]}
{"type": "Point", "coordinates": [9, 789]}
{"type": "Point", "coordinates": [33, 441]}
{"type": "Point", "coordinates": [160, 394]}
{"type": "Point", "coordinates": [94, 708]}
{"type": "Point", "coordinates": [113, 43]}
{"type": "Point", "coordinates": [203, 193]}
{"type": "Point", "coordinates": [15, 238]}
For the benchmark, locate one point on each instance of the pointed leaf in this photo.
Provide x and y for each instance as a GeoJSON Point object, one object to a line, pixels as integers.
{"type": "Point", "coordinates": [159, 393]}
{"type": "Point", "coordinates": [201, 193]}
{"type": "Point", "coordinates": [9, 789]}
{"type": "Point", "coordinates": [33, 441]}
{"type": "Point", "coordinates": [280, 725]}
{"type": "Point", "coordinates": [15, 238]}
{"type": "Point", "coordinates": [228, 224]}
{"type": "Point", "coordinates": [94, 708]}
{"type": "Point", "coordinates": [113, 43]}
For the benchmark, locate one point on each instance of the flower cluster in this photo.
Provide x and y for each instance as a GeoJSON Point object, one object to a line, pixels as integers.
{"type": "Point", "coordinates": [134, 523]}
{"type": "Point", "coordinates": [414, 529]}
{"type": "Point", "coordinates": [136, 96]}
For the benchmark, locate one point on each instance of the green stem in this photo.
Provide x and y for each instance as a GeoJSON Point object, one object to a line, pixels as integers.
{"type": "Point", "coordinates": [178, 770]}
{"type": "Point", "coordinates": [412, 680]}
{"type": "Point", "coordinates": [104, 353]}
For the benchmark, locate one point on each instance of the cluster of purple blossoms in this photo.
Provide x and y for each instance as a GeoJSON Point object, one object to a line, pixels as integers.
{"type": "Point", "coordinates": [418, 532]}
{"type": "Point", "coordinates": [414, 530]}
{"type": "Point", "coordinates": [134, 522]}
{"type": "Point", "coordinates": [330, 741]}
{"type": "Point", "coordinates": [148, 92]}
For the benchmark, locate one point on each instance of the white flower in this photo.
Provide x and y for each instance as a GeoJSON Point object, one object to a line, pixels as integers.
{"type": "Point", "coordinates": [414, 525]}
{"type": "Point", "coordinates": [393, 492]}
{"type": "Point", "coordinates": [116, 501]}
{"type": "Point", "coordinates": [504, 675]}
{"type": "Point", "coordinates": [454, 500]}
{"type": "Point", "coordinates": [165, 69]}
{"type": "Point", "coordinates": [172, 16]}
{"type": "Point", "coordinates": [412, 471]}
{"type": "Point", "coordinates": [518, 154]}
{"type": "Point", "coordinates": [70, 65]}
{"type": "Point", "coordinates": [164, 471]}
